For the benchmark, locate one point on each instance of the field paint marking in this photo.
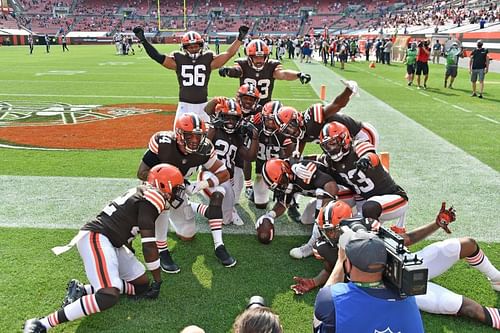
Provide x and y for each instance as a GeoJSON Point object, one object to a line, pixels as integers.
{"type": "Point", "coordinates": [31, 148]}
{"type": "Point", "coordinates": [128, 96]}
{"type": "Point", "coordinates": [440, 100]}
{"type": "Point", "coordinates": [66, 73]}
{"type": "Point", "coordinates": [488, 119]}
{"type": "Point", "coordinates": [460, 108]}
{"type": "Point", "coordinates": [116, 63]}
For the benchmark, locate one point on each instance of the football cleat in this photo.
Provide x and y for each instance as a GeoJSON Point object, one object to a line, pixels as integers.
{"type": "Point", "coordinates": [236, 218]}
{"type": "Point", "coordinates": [302, 251]}
{"type": "Point", "coordinates": [495, 284]}
{"type": "Point", "coordinates": [74, 291]}
{"type": "Point", "coordinates": [224, 257]}
{"type": "Point", "coordinates": [34, 325]}
{"type": "Point", "coordinates": [293, 213]}
{"type": "Point", "coordinates": [249, 194]}
{"type": "Point", "coordinates": [167, 264]}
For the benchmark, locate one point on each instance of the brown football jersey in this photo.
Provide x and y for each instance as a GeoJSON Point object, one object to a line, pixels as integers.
{"type": "Point", "coordinates": [193, 76]}
{"type": "Point", "coordinates": [263, 79]}
{"type": "Point", "coordinates": [123, 217]}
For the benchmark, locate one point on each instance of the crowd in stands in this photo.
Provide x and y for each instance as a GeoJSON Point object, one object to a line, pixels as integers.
{"type": "Point", "coordinates": [272, 16]}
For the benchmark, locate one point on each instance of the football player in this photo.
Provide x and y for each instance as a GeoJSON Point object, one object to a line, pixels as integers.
{"type": "Point", "coordinates": [227, 135]}
{"type": "Point", "coordinates": [271, 145]}
{"type": "Point", "coordinates": [260, 71]}
{"type": "Point", "coordinates": [193, 67]}
{"type": "Point", "coordinates": [188, 149]}
{"type": "Point", "coordinates": [438, 258]}
{"type": "Point", "coordinates": [356, 165]}
{"type": "Point", "coordinates": [308, 127]}
{"type": "Point", "coordinates": [362, 180]}
{"type": "Point", "coordinates": [287, 177]}
{"type": "Point", "coordinates": [105, 245]}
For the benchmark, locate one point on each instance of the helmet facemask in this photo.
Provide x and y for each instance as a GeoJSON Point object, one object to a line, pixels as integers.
{"type": "Point", "coordinates": [247, 103]}
{"type": "Point", "coordinates": [258, 60]}
{"type": "Point", "coordinates": [176, 198]}
{"type": "Point", "coordinates": [335, 147]}
{"type": "Point", "coordinates": [191, 141]}
{"type": "Point", "coordinates": [230, 122]}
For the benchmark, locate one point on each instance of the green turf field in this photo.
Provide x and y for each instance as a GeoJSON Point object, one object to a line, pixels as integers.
{"type": "Point", "coordinates": [453, 156]}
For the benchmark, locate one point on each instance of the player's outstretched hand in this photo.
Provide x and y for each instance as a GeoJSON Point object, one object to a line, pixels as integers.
{"type": "Point", "coordinates": [445, 217]}
{"type": "Point", "coordinates": [139, 33]}
{"type": "Point", "coordinates": [363, 163]}
{"type": "Point", "coordinates": [242, 32]}
{"type": "Point", "coordinates": [302, 285]}
{"type": "Point", "coordinates": [223, 71]}
{"type": "Point", "coordinates": [304, 78]}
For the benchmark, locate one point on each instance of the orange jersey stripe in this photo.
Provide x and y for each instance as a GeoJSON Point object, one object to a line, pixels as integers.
{"type": "Point", "coordinates": [394, 205]}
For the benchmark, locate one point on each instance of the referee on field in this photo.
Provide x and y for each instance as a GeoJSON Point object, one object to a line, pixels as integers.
{"type": "Point", "coordinates": [478, 67]}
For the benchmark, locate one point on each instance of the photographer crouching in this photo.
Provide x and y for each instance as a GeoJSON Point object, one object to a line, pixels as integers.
{"type": "Point", "coordinates": [364, 304]}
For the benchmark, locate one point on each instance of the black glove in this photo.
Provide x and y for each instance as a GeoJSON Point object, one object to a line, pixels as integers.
{"type": "Point", "coordinates": [139, 33]}
{"type": "Point", "coordinates": [304, 78]}
{"type": "Point", "coordinates": [363, 163]}
{"type": "Point", "coordinates": [247, 129]}
{"type": "Point", "coordinates": [242, 32]}
{"type": "Point", "coordinates": [223, 71]}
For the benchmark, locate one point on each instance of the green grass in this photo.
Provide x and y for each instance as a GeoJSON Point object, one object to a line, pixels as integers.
{"type": "Point", "coordinates": [204, 293]}
{"type": "Point", "coordinates": [465, 130]}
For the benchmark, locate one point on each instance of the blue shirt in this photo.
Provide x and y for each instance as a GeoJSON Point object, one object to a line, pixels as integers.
{"type": "Point", "coordinates": [345, 307]}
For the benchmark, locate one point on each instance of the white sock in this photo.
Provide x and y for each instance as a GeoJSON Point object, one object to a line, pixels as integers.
{"type": "Point", "coordinates": [481, 262]}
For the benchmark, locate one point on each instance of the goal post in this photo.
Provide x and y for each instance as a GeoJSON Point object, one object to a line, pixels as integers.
{"type": "Point", "coordinates": [178, 5]}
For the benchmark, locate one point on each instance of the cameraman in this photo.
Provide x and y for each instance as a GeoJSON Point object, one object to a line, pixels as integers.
{"type": "Point", "coordinates": [337, 307]}
{"type": "Point", "coordinates": [423, 54]}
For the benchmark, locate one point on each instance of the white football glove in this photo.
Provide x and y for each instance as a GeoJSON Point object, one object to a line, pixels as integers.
{"type": "Point", "coordinates": [196, 187]}
{"type": "Point", "coordinates": [303, 172]}
{"type": "Point", "coordinates": [353, 85]}
{"type": "Point", "coordinates": [270, 215]}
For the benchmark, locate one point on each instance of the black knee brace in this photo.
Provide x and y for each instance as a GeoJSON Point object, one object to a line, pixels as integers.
{"type": "Point", "coordinates": [105, 301]}
{"type": "Point", "coordinates": [372, 209]}
{"type": "Point", "coordinates": [214, 210]}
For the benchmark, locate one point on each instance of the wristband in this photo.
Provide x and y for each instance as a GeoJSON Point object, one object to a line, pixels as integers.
{"type": "Point", "coordinates": [271, 214]}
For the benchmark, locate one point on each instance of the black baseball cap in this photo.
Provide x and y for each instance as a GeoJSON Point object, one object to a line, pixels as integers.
{"type": "Point", "coordinates": [366, 251]}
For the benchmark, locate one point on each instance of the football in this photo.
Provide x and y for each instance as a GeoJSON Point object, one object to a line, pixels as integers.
{"type": "Point", "coordinates": [265, 231]}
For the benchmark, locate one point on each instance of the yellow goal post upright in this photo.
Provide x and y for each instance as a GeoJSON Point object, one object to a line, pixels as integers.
{"type": "Point", "coordinates": [184, 16]}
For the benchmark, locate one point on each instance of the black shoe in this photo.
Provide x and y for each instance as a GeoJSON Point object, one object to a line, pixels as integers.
{"type": "Point", "coordinates": [293, 213]}
{"type": "Point", "coordinates": [473, 95]}
{"type": "Point", "coordinates": [167, 264]}
{"type": "Point", "coordinates": [480, 96]}
{"type": "Point", "coordinates": [249, 194]}
{"type": "Point", "coordinates": [409, 83]}
{"type": "Point", "coordinates": [74, 291]}
{"type": "Point", "coordinates": [425, 86]}
{"type": "Point", "coordinates": [33, 326]}
{"type": "Point", "coordinates": [445, 84]}
{"type": "Point", "coordinates": [224, 257]}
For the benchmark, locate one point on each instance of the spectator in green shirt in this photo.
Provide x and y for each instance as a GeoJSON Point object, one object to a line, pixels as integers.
{"type": "Point", "coordinates": [452, 55]}
{"type": "Point", "coordinates": [411, 60]}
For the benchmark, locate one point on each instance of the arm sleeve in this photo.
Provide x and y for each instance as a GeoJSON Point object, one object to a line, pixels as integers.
{"type": "Point", "coordinates": [153, 52]}
{"type": "Point", "coordinates": [150, 159]}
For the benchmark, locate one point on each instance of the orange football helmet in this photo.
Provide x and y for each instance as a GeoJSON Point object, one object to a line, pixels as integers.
{"type": "Point", "coordinates": [190, 132]}
{"type": "Point", "coordinates": [329, 217]}
{"type": "Point", "coordinates": [189, 39]}
{"type": "Point", "coordinates": [335, 140]}
{"type": "Point", "coordinates": [248, 97]}
{"type": "Point", "coordinates": [229, 113]}
{"type": "Point", "coordinates": [277, 174]}
{"type": "Point", "coordinates": [269, 112]}
{"type": "Point", "coordinates": [290, 122]}
{"type": "Point", "coordinates": [257, 54]}
{"type": "Point", "coordinates": [169, 180]}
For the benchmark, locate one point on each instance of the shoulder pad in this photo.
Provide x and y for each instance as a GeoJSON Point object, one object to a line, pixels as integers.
{"type": "Point", "coordinates": [363, 147]}
{"type": "Point", "coordinates": [155, 198]}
